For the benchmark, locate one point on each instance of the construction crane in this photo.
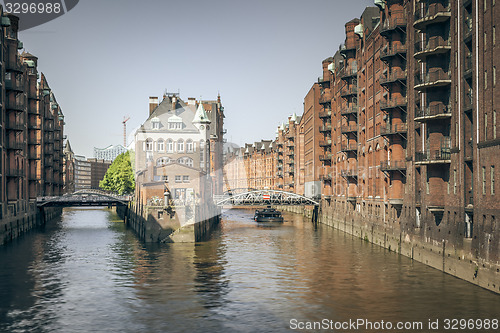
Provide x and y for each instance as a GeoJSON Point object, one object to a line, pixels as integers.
{"type": "Point", "coordinates": [125, 119]}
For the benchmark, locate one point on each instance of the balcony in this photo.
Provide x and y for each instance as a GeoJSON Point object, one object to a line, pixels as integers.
{"type": "Point", "coordinates": [14, 85]}
{"type": "Point", "coordinates": [468, 28]}
{"type": "Point", "coordinates": [349, 173]}
{"type": "Point", "coordinates": [346, 49]}
{"type": "Point", "coordinates": [468, 67]}
{"type": "Point", "coordinates": [34, 141]}
{"type": "Point", "coordinates": [435, 156]}
{"type": "Point", "coordinates": [393, 103]}
{"type": "Point", "coordinates": [433, 79]}
{"type": "Point", "coordinates": [392, 51]}
{"type": "Point", "coordinates": [352, 109]}
{"type": "Point", "coordinates": [325, 128]}
{"type": "Point", "coordinates": [398, 165]}
{"type": "Point", "coordinates": [15, 124]}
{"type": "Point", "coordinates": [323, 81]}
{"type": "Point", "coordinates": [434, 112]}
{"type": "Point", "coordinates": [14, 173]}
{"type": "Point", "coordinates": [396, 22]}
{"type": "Point", "coordinates": [439, 156]}
{"type": "Point", "coordinates": [349, 91]}
{"type": "Point", "coordinates": [279, 174]}
{"type": "Point", "coordinates": [290, 136]}
{"type": "Point", "coordinates": [349, 129]}
{"type": "Point", "coordinates": [325, 114]}
{"type": "Point", "coordinates": [393, 77]}
{"type": "Point", "coordinates": [325, 99]}
{"type": "Point", "coordinates": [394, 129]}
{"type": "Point", "coordinates": [33, 94]}
{"type": "Point", "coordinates": [15, 105]}
{"type": "Point", "coordinates": [325, 157]}
{"type": "Point", "coordinates": [33, 155]}
{"type": "Point", "coordinates": [15, 145]}
{"type": "Point", "coordinates": [347, 73]}
{"type": "Point", "coordinates": [433, 14]}
{"type": "Point", "coordinates": [434, 46]}
{"type": "Point", "coordinates": [469, 101]}
{"type": "Point", "coordinates": [345, 147]}
{"type": "Point", "coordinates": [325, 143]}
{"type": "Point", "coordinates": [325, 176]}
{"type": "Point", "coordinates": [14, 66]}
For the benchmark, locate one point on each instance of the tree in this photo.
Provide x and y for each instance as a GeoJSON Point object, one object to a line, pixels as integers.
{"type": "Point", "coordinates": [119, 178]}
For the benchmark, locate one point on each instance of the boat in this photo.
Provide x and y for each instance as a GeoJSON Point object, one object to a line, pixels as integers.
{"type": "Point", "coordinates": [268, 215]}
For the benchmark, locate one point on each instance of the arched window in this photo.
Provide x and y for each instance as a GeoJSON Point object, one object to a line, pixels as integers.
{"type": "Point", "coordinates": [186, 161]}
{"type": "Point", "coordinates": [189, 146]}
{"type": "Point", "coordinates": [160, 145]}
{"type": "Point", "coordinates": [149, 144]}
{"type": "Point", "coordinates": [163, 161]}
{"type": "Point", "coordinates": [180, 146]}
{"type": "Point", "coordinates": [170, 146]}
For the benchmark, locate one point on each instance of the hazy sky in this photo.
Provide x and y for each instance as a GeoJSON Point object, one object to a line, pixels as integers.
{"type": "Point", "coordinates": [104, 58]}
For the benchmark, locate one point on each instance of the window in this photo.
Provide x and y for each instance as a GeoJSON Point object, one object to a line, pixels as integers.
{"type": "Point", "coordinates": [170, 146]}
{"type": "Point", "coordinates": [492, 178]}
{"type": "Point", "coordinates": [485, 40]}
{"type": "Point", "coordinates": [162, 161]}
{"type": "Point", "coordinates": [427, 190]}
{"type": "Point", "coordinates": [485, 126]}
{"type": "Point", "coordinates": [494, 124]}
{"type": "Point", "coordinates": [494, 76]}
{"type": "Point", "coordinates": [485, 5]}
{"type": "Point", "coordinates": [484, 179]}
{"type": "Point", "coordinates": [455, 181]}
{"type": "Point", "coordinates": [149, 145]}
{"type": "Point", "coordinates": [160, 145]}
{"type": "Point", "coordinates": [185, 179]}
{"type": "Point", "coordinates": [175, 125]}
{"type": "Point", "coordinates": [494, 35]}
{"type": "Point", "coordinates": [189, 146]}
{"type": "Point", "coordinates": [180, 146]}
{"type": "Point", "coordinates": [178, 179]}
{"type": "Point", "coordinates": [155, 124]}
{"type": "Point", "coordinates": [485, 79]}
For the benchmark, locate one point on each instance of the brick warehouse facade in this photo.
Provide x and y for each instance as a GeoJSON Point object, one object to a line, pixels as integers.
{"type": "Point", "coordinates": [31, 136]}
{"type": "Point", "coordinates": [407, 138]}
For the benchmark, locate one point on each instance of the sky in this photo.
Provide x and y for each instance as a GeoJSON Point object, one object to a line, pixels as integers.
{"type": "Point", "coordinates": [104, 58]}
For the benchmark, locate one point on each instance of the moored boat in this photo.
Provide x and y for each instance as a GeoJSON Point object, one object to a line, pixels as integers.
{"type": "Point", "coordinates": [268, 215]}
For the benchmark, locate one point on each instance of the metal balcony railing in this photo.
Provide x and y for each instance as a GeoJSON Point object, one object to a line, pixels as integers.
{"type": "Point", "coordinates": [346, 173]}
{"type": "Point", "coordinates": [392, 165]}
{"type": "Point", "coordinates": [393, 129]}
{"type": "Point", "coordinates": [15, 172]}
{"type": "Point", "coordinates": [347, 91]}
{"type": "Point", "coordinates": [434, 45]}
{"type": "Point", "coordinates": [325, 143]}
{"type": "Point", "coordinates": [434, 78]}
{"type": "Point", "coordinates": [352, 109]}
{"type": "Point", "coordinates": [325, 114]}
{"type": "Point", "coordinates": [393, 22]}
{"type": "Point", "coordinates": [15, 145]}
{"type": "Point", "coordinates": [348, 147]}
{"type": "Point", "coordinates": [392, 50]}
{"type": "Point", "coordinates": [392, 76]}
{"type": "Point", "coordinates": [434, 111]}
{"type": "Point", "coordinates": [325, 157]}
{"type": "Point", "coordinates": [393, 103]}
{"type": "Point", "coordinates": [434, 12]}
{"type": "Point", "coordinates": [348, 72]}
{"type": "Point", "coordinates": [325, 128]}
{"type": "Point", "coordinates": [15, 105]}
{"type": "Point", "coordinates": [433, 155]}
{"type": "Point", "coordinates": [15, 124]}
{"type": "Point", "coordinates": [16, 85]}
{"type": "Point", "coordinates": [349, 129]}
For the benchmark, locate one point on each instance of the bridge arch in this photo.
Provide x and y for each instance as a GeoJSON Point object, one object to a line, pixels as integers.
{"type": "Point", "coordinates": [265, 197]}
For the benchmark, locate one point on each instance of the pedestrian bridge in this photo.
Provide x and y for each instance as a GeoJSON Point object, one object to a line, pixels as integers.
{"type": "Point", "coordinates": [264, 197]}
{"type": "Point", "coordinates": [83, 198]}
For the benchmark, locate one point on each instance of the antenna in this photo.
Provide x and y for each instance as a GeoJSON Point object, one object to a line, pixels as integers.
{"type": "Point", "coordinates": [124, 122]}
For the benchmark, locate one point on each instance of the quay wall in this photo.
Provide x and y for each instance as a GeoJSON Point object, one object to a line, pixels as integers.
{"type": "Point", "coordinates": [459, 260]}
{"type": "Point", "coordinates": [18, 219]}
{"type": "Point", "coordinates": [155, 224]}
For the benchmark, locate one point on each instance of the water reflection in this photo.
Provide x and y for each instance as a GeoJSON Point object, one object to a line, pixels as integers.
{"type": "Point", "coordinates": [86, 272]}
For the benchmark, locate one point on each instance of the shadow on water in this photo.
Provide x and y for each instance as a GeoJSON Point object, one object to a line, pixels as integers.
{"type": "Point", "coordinates": [87, 272]}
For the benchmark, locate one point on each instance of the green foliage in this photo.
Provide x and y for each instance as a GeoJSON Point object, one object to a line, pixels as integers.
{"type": "Point", "coordinates": [120, 177]}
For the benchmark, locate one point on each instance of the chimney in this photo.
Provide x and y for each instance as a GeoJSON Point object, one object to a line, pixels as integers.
{"type": "Point", "coordinates": [174, 102]}
{"type": "Point", "coordinates": [153, 103]}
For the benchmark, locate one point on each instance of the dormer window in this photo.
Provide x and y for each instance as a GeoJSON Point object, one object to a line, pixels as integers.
{"type": "Point", "coordinates": [175, 123]}
{"type": "Point", "coordinates": [155, 123]}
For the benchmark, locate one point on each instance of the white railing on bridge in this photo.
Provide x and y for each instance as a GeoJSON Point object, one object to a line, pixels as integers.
{"type": "Point", "coordinates": [264, 197]}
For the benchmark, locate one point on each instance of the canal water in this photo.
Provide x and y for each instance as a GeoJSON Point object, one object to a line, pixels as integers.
{"type": "Point", "coordinates": [86, 272]}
